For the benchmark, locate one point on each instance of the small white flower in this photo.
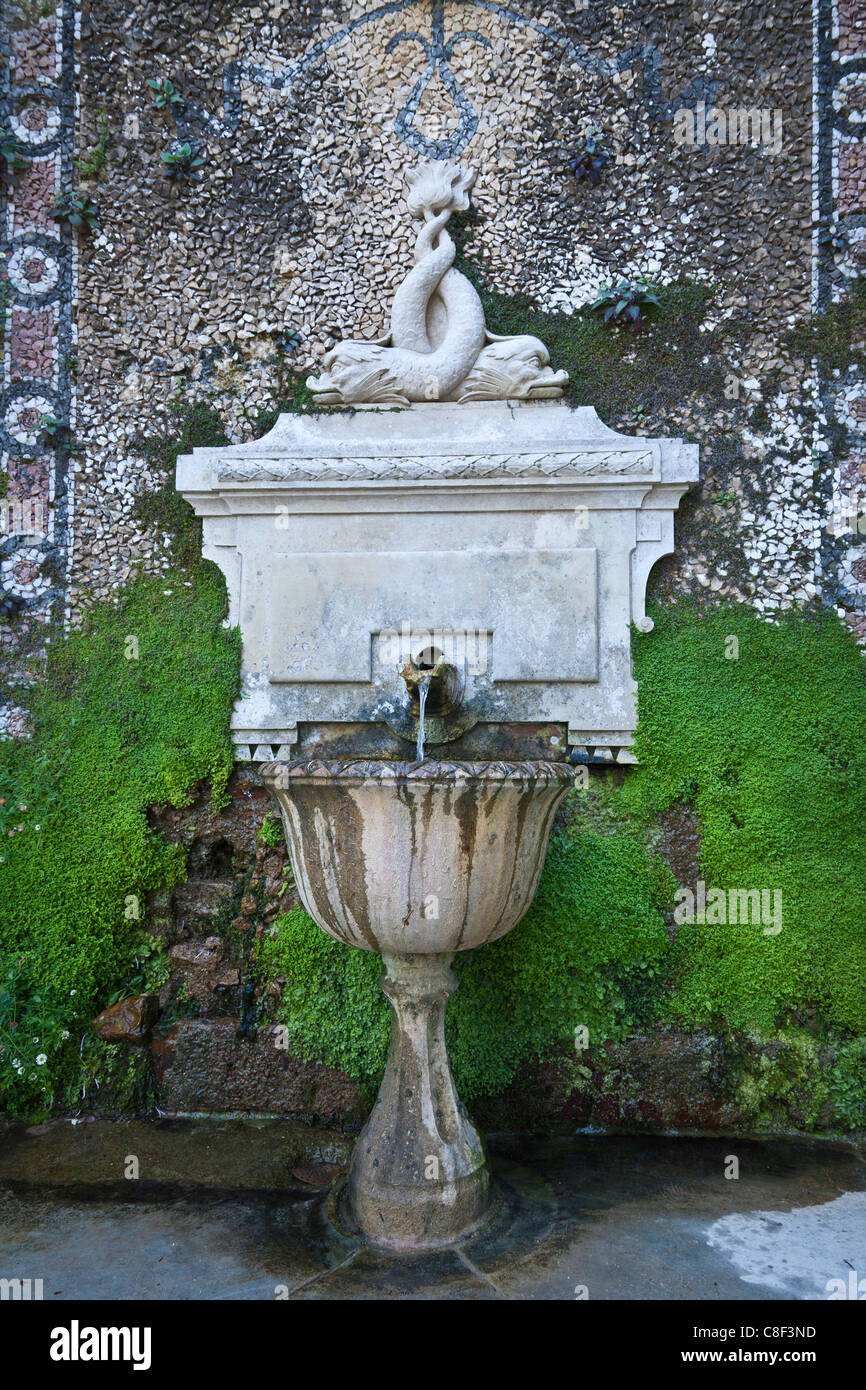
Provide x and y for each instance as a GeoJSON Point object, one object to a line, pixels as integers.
{"type": "Point", "coordinates": [73, 991]}
{"type": "Point", "coordinates": [41, 1060]}
{"type": "Point", "coordinates": [65, 1033]}
{"type": "Point", "coordinates": [16, 1062]}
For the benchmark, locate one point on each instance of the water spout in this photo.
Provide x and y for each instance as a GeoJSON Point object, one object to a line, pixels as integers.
{"type": "Point", "coordinates": [435, 691]}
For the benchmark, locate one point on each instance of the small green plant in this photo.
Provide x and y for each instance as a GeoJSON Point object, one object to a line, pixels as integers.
{"type": "Point", "coordinates": [13, 160]}
{"type": "Point", "coordinates": [165, 98]}
{"type": "Point", "coordinates": [57, 432]}
{"type": "Point", "coordinates": [196, 424]}
{"type": "Point", "coordinates": [32, 1038]}
{"type": "Point", "coordinates": [91, 163]}
{"type": "Point", "coordinates": [626, 302]}
{"type": "Point", "coordinates": [182, 162]}
{"type": "Point", "coordinates": [148, 969]}
{"type": "Point", "coordinates": [51, 426]}
{"type": "Point", "coordinates": [288, 341]}
{"type": "Point", "coordinates": [14, 815]}
{"type": "Point", "coordinates": [589, 162]}
{"type": "Point", "coordinates": [271, 833]}
{"type": "Point", "coordinates": [75, 209]}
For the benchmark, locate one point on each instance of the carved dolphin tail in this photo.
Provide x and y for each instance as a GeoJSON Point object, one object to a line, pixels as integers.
{"type": "Point", "coordinates": [436, 347]}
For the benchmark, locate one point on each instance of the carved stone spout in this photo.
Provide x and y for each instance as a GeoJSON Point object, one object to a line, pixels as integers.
{"type": "Point", "coordinates": [442, 682]}
{"type": "Point", "coordinates": [438, 348]}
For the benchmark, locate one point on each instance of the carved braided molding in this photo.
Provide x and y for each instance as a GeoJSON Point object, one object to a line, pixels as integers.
{"type": "Point", "coordinates": [354, 771]}
{"type": "Point", "coordinates": [620, 462]}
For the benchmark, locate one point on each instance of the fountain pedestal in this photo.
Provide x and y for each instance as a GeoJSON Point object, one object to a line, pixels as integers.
{"type": "Point", "coordinates": [418, 1176]}
{"type": "Point", "coordinates": [417, 861]}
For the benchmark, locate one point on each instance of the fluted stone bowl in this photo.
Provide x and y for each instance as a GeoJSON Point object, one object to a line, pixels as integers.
{"type": "Point", "coordinates": [417, 858]}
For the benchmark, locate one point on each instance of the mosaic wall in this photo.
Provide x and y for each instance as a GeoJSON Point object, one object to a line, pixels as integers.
{"type": "Point", "coordinates": [37, 107]}
{"type": "Point", "coordinates": [737, 162]}
{"type": "Point", "coordinates": [839, 202]}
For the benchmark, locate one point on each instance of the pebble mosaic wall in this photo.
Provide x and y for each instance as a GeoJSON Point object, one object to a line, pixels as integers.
{"type": "Point", "coordinates": [738, 161]}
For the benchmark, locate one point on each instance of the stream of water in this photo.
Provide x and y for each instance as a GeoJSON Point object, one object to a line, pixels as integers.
{"type": "Point", "coordinates": [423, 686]}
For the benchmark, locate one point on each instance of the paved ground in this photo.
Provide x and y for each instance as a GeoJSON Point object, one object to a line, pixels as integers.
{"type": "Point", "coordinates": [225, 1210]}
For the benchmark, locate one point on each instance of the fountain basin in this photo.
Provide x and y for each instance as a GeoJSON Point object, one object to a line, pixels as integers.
{"type": "Point", "coordinates": [417, 861]}
{"type": "Point", "coordinates": [417, 858]}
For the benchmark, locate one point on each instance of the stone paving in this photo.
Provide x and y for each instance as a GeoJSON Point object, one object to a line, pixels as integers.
{"type": "Point", "coordinates": [244, 1211]}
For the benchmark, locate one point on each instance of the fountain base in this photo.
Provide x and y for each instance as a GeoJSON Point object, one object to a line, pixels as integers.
{"type": "Point", "coordinates": [418, 1177]}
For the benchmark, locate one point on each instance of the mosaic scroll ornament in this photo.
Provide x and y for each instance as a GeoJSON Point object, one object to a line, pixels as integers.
{"type": "Point", "coordinates": [437, 50]}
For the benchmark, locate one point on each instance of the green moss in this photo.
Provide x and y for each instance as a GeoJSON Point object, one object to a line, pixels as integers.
{"type": "Point", "coordinates": [197, 426]}
{"type": "Point", "coordinates": [110, 1079]}
{"type": "Point", "coordinates": [846, 1082]}
{"type": "Point", "coordinates": [835, 338]}
{"type": "Point", "coordinates": [784, 1083]}
{"type": "Point", "coordinates": [331, 1003]}
{"type": "Point", "coordinates": [768, 746]}
{"type": "Point", "coordinates": [271, 833]}
{"type": "Point", "coordinates": [623, 375]}
{"type": "Point", "coordinates": [589, 952]}
{"type": "Point", "coordinates": [796, 1081]}
{"type": "Point", "coordinates": [134, 711]}
{"type": "Point", "coordinates": [295, 398]}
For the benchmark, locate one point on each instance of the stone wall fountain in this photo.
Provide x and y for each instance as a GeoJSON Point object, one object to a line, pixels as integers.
{"type": "Point", "coordinates": [435, 589]}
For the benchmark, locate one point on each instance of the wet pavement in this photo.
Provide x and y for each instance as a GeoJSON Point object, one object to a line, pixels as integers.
{"type": "Point", "coordinates": [227, 1210]}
